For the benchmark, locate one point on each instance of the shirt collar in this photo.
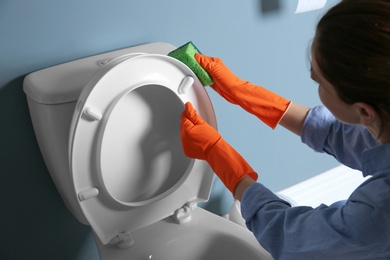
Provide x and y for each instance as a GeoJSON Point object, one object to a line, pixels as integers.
{"type": "Point", "coordinates": [376, 160]}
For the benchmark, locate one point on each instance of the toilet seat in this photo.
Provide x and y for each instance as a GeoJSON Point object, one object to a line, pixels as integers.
{"type": "Point", "coordinates": [129, 110]}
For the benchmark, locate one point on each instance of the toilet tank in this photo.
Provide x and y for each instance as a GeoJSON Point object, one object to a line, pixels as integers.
{"type": "Point", "coordinates": [52, 95]}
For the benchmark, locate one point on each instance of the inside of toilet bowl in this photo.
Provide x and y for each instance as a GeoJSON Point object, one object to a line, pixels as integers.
{"type": "Point", "coordinates": [140, 156]}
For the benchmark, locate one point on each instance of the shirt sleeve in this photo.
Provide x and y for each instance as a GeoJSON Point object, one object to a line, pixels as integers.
{"type": "Point", "coordinates": [324, 133]}
{"type": "Point", "coordinates": [348, 232]}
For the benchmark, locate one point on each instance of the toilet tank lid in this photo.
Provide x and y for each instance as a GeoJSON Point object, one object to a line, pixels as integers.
{"type": "Point", "coordinates": [63, 83]}
{"type": "Point", "coordinates": [59, 84]}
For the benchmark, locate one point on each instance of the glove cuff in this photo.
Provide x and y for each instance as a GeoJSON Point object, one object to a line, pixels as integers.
{"type": "Point", "coordinates": [229, 165]}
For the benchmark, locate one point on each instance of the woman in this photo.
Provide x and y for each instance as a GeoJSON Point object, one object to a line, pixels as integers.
{"type": "Point", "coordinates": [351, 64]}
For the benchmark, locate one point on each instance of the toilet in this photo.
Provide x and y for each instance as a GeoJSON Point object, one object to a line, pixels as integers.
{"type": "Point", "coordinates": [108, 130]}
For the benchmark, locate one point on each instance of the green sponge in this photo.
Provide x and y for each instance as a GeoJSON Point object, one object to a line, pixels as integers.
{"type": "Point", "coordinates": [186, 54]}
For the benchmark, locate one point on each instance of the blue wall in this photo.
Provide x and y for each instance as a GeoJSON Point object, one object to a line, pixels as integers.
{"type": "Point", "coordinates": [262, 41]}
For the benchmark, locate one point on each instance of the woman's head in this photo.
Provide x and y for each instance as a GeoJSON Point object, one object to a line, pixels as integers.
{"type": "Point", "coordinates": [352, 50]}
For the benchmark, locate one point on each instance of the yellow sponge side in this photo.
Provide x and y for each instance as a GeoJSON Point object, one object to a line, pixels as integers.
{"type": "Point", "coordinates": [186, 55]}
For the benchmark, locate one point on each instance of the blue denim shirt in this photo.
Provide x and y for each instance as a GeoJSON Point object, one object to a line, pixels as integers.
{"type": "Point", "coordinates": [360, 229]}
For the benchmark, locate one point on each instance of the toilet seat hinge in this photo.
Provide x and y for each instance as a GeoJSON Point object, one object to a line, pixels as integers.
{"type": "Point", "coordinates": [122, 240]}
{"type": "Point", "coordinates": [183, 214]}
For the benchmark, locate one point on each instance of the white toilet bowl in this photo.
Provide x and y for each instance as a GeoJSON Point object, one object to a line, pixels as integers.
{"type": "Point", "coordinates": [206, 237]}
{"type": "Point", "coordinates": [108, 129]}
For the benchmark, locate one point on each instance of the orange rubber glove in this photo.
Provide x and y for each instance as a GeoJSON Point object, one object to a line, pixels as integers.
{"type": "Point", "coordinates": [266, 105]}
{"type": "Point", "coordinates": [202, 141]}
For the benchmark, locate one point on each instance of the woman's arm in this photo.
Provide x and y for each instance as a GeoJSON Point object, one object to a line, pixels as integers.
{"type": "Point", "coordinates": [294, 118]}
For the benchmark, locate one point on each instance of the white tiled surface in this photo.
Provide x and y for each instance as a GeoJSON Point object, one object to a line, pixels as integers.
{"type": "Point", "coordinates": [328, 187]}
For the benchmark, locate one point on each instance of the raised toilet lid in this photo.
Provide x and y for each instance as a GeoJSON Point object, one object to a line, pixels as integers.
{"type": "Point", "coordinates": [126, 159]}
